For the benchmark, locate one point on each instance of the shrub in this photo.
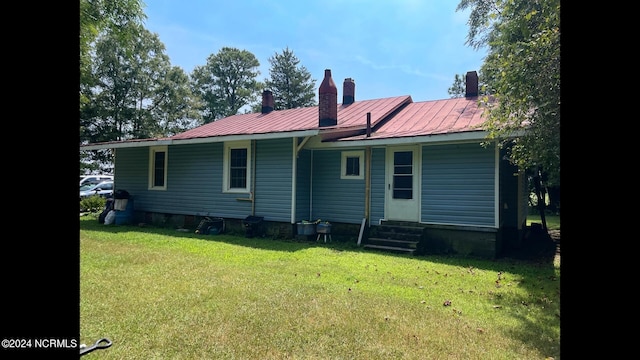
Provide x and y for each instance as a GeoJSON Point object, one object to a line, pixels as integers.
{"type": "Point", "coordinates": [93, 203]}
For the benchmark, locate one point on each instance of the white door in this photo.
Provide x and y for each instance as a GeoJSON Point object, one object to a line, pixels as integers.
{"type": "Point", "coordinates": [403, 179]}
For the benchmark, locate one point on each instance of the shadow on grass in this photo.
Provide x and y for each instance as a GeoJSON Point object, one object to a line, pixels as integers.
{"type": "Point", "coordinates": [538, 249]}
{"type": "Point", "coordinates": [532, 265]}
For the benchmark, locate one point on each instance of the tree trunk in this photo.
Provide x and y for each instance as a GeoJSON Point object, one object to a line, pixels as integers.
{"type": "Point", "coordinates": [540, 194]}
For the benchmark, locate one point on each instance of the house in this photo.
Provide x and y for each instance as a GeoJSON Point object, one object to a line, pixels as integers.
{"type": "Point", "coordinates": [390, 161]}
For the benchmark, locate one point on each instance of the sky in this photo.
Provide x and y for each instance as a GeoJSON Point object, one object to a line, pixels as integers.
{"type": "Point", "coordinates": [388, 47]}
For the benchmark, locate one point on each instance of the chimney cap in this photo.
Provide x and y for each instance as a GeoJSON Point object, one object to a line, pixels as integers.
{"type": "Point", "coordinates": [327, 85]}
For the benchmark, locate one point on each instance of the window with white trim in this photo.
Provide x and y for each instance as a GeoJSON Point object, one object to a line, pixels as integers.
{"type": "Point", "coordinates": [237, 167]}
{"type": "Point", "coordinates": [158, 168]}
{"type": "Point", "coordinates": [352, 165]}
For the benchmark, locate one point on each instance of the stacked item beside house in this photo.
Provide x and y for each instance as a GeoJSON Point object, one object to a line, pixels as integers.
{"type": "Point", "coordinates": [123, 207]}
{"type": "Point", "coordinates": [118, 210]}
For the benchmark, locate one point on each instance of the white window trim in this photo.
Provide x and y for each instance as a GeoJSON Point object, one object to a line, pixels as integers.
{"type": "Point", "coordinates": [343, 167]}
{"type": "Point", "coordinates": [246, 144]}
{"type": "Point", "coordinates": [152, 151]}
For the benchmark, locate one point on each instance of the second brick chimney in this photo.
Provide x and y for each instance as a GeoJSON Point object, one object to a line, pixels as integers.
{"type": "Point", "coordinates": [348, 91]}
{"type": "Point", "coordinates": [267, 101]}
{"type": "Point", "coordinates": [328, 101]}
{"type": "Point", "coordinates": [472, 84]}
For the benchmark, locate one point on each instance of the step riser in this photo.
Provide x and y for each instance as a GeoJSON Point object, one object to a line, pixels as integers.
{"type": "Point", "coordinates": [398, 236]}
{"type": "Point", "coordinates": [390, 249]}
{"type": "Point", "coordinates": [399, 230]}
{"type": "Point", "coordinates": [393, 242]}
{"type": "Point", "coordinates": [395, 237]}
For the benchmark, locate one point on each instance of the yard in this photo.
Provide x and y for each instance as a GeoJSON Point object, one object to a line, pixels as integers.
{"type": "Point", "coordinates": [160, 293]}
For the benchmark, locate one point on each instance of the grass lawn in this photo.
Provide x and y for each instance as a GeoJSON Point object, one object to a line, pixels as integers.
{"type": "Point", "coordinates": [163, 294]}
{"type": "Point", "coordinates": [553, 221]}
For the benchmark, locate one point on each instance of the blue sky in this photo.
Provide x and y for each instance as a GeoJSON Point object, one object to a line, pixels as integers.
{"type": "Point", "coordinates": [389, 47]}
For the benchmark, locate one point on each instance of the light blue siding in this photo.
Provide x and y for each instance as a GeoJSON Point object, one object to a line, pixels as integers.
{"type": "Point", "coordinates": [132, 171]}
{"type": "Point", "coordinates": [194, 182]}
{"type": "Point", "coordinates": [303, 186]}
{"type": "Point", "coordinates": [458, 184]}
{"type": "Point", "coordinates": [273, 179]}
{"type": "Point", "coordinates": [335, 199]}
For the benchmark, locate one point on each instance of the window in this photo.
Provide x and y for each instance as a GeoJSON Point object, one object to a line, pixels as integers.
{"type": "Point", "coordinates": [352, 165]}
{"type": "Point", "coordinates": [237, 166]}
{"type": "Point", "coordinates": [403, 175]}
{"type": "Point", "coordinates": [158, 168]}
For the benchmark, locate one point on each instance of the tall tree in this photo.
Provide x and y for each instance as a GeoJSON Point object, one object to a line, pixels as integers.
{"type": "Point", "coordinates": [97, 17]}
{"type": "Point", "coordinates": [120, 17]}
{"type": "Point", "coordinates": [522, 73]}
{"type": "Point", "coordinates": [127, 75]}
{"type": "Point", "coordinates": [290, 82]}
{"type": "Point", "coordinates": [458, 88]}
{"type": "Point", "coordinates": [136, 93]}
{"type": "Point", "coordinates": [226, 83]}
{"type": "Point", "coordinates": [176, 106]}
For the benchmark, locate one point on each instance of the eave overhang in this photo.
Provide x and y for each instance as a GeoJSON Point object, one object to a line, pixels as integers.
{"type": "Point", "coordinates": [199, 140]}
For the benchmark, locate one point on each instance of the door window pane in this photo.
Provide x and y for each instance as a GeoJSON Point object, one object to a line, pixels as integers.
{"type": "Point", "coordinates": [403, 175]}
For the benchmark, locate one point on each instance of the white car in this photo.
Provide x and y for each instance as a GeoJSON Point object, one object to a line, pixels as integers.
{"type": "Point", "coordinates": [94, 179]}
{"type": "Point", "coordinates": [104, 189]}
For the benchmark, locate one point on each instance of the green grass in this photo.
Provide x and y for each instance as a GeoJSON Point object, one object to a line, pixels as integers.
{"type": "Point", "coordinates": [163, 294]}
{"type": "Point", "coordinates": [553, 221]}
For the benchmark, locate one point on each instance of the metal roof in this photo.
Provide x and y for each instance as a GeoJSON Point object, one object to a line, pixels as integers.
{"type": "Point", "coordinates": [391, 118]}
{"type": "Point", "coordinates": [349, 116]}
{"type": "Point", "coordinates": [435, 117]}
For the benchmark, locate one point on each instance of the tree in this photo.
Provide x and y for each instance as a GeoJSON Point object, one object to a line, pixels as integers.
{"type": "Point", "coordinates": [136, 93]}
{"type": "Point", "coordinates": [126, 75]}
{"type": "Point", "coordinates": [176, 106]}
{"type": "Point", "coordinates": [291, 83]}
{"type": "Point", "coordinates": [97, 17]}
{"type": "Point", "coordinates": [226, 83]}
{"type": "Point", "coordinates": [120, 17]}
{"type": "Point", "coordinates": [458, 88]}
{"type": "Point", "coordinates": [522, 74]}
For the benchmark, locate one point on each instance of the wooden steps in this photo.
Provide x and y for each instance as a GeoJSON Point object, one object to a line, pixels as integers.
{"type": "Point", "coordinates": [394, 236]}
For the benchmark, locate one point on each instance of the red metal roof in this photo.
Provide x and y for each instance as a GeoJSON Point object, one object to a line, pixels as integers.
{"type": "Point", "coordinates": [411, 119]}
{"type": "Point", "coordinates": [393, 117]}
{"type": "Point", "coordinates": [431, 117]}
{"type": "Point", "coordinates": [300, 119]}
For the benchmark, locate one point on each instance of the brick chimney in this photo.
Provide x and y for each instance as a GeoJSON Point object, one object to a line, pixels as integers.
{"type": "Point", "coordinates": [348, 91]}
{"type": "Point", "coordinates": [267, 101]}
{"type": "Point", "coordinates": [472, 84]}
{"type": "Point", "coordinates": [328, 101]}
